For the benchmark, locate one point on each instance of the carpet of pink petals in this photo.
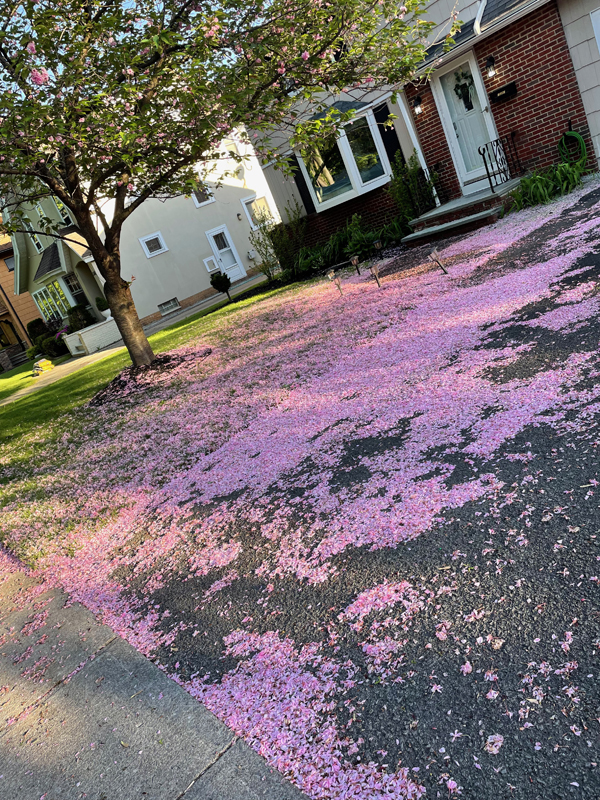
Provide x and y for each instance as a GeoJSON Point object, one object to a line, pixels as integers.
{"type": "Point", "coordinates": [257, 437]}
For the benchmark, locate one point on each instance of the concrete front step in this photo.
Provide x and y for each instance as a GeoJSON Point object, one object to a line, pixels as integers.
{"type": "Point", "coordinates": [447, 228]}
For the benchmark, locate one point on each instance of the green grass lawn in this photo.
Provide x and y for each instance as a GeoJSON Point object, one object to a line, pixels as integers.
{"type": "Point", "coordinates": [21, 377]}
{"type": "Point", "coordinates": [38, 409]}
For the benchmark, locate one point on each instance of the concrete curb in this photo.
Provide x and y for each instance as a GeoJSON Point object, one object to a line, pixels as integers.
{"type": "Point", "coordinates": [84, 715]}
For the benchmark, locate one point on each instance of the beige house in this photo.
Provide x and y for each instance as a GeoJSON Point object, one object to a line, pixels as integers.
{"type": "Point", "coordinates": [170, 248]}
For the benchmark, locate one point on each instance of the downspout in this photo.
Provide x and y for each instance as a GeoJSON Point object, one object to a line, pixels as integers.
{"type": "Point", "coordinates": [478, 18]}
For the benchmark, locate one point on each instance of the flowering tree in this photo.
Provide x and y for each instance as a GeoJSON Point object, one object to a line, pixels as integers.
{"type": "Point", "coordinates": [123, 99]}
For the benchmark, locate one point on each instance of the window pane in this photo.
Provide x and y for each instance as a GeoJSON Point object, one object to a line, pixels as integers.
{"type": "Point", "coordinates": [202, 195]}
{"type": "Point", "coordinates": [154, 245]}
{"type": "Point", "coordinates": [327, 171]}
{"type": "Point", "coordinates": [364, 150]}
{"type": "Point", "coordinates": [259, 210]}
{"type": "Point", "coordinates": [10, 263]}
{"type": "Point", "coordinates": [221, 241]}
{"type": "Point", "coordinates": [58, 298]}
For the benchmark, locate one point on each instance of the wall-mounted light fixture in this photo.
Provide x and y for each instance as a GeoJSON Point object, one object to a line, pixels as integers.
{"type": "Point", "coordinates": [418, 105]}
{"type": "Point", "coordinates": [239, 216]}
{"type": "Point", "coordinates": [490, 65]}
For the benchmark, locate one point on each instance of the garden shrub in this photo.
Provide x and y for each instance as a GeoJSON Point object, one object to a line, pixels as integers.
{"type": "Point", "coordinates": [32, 352]}
{"type": "Point", "coordinates": [288, 239]}
{"type": "Point", "coordinates": [102, 303]}
{"type": "Point", "coordinates": [221, 282]}
{"type": "Point", "coordinates": [37, 327]}
{"type": "Point", "coordinates": [52, 347]}
{"type": "Point", "coordinates": [360, 240]}
{"type": "Point", "coordinates": [79, 318]}
{"type": "Point", "coordinates": [543, 186]}
{"type": "Point", "coordinates": [262, 241]}
{"type": "Point", "coordinates": [410, 189]}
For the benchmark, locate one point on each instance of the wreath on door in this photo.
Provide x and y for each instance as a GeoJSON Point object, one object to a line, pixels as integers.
{"type": "Point", "coordinates": [463, 88]}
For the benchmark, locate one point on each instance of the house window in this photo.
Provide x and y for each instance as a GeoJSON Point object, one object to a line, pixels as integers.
{"type": "Point", "coordinates": [327, 171]}
{"type": "Point", "coordinates": [33, 236]}
{"type": "Point", "coordinates": [64, 212]}
{"type": "Point", "coordinates": [153, 245]}
{"type": "Point", "coordinates": [10, 263]}
{"type": "Point", "coordinates": [168, 306]}
{"type": "Point", "coordinates": [74, 287]}
{"type": "Point", "coordinates": [256, 209]}
{"type": "Point", "coordinates": [202, 197]}
{"type": "Point", "coordinates": [211, 264]}
{"type": "Point", "coordinates": [52, 301]}
{"type": "Point", "coordinates": [364, 151]}
{"type": "Point", "coordinates": [350, 165]}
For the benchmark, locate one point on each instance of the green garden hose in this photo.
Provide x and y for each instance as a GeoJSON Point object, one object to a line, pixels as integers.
{"type": "Point", "coordinates": [565, 156]}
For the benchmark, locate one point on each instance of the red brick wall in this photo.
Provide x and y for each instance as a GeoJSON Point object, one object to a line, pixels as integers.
{"type": "Point", "coordinates": [534, 53]}
{"type": "Point", "coordinates": [433, 139]}
{"type": "Point", "coordinates": [376, 209]}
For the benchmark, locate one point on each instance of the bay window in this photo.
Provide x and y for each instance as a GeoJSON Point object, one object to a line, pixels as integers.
{"type": "Point", "coordinates": [52, 301]}
{"type": "Point", "coordinates": [341, 168]}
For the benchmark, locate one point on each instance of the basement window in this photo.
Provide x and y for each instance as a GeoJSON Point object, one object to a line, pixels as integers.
{"type": "Point", "coordinates": [168, 306]}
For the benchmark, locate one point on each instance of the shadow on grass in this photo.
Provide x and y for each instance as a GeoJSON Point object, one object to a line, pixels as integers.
{"type": "Point", "coordinates": [45, 405]}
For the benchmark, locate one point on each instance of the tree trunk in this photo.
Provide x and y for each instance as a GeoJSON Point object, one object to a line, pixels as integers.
{"type": "Point", "coordinates": [118, 294]}
{"type": "Point", "coordinates": [120, 301]}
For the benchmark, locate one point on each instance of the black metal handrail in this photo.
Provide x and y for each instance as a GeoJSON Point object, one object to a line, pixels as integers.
{"type": "Point", "coordinates": [501, 160]}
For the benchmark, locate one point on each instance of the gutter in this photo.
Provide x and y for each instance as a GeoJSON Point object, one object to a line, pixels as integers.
{"type": "Point", "coordinates": [477, 23]}
{"type": "Point", "coordinates": [493, 27]}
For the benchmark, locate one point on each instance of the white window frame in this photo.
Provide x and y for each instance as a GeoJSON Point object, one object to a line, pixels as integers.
{"type": "Point", "coordinates": [246, 200]}
{"type": "Point", "coordinates": [215, 266]}
{"type": "Point", "coordinates": [211, 198]}
{"type": "Point", "coordinates": [358, 186]}
{"type": "Point", "coordinates": [37, 242]}
{"type": "Point", "coordinates": [69, 220]}
{"type": "Point", "coordinates": [65, 291]}
{"type": "Point", "coordinates": [156, 235]}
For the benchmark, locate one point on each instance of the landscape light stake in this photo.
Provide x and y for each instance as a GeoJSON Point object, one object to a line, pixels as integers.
{"type": "Point", "coordinates": [354, 261]}
{"type": "Point", "coordinates": [336, 279]}
{"type": "Point", "coordinates": [375, 273]}
{"type": "Point", "coordinates": [434, 257]}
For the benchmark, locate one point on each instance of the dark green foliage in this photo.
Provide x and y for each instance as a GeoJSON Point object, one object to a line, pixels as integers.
{"type": "Point", "coordinates": [52, 347]}
{"type": "Point", "coordinates": [351, 240]}
{"type": "Point", "coordinates": [102, 303]}
{"type": "Point", "coordinates": [221, 282]}
{"type": "Point", "coordinates": [79, 318]}
{"type": "Point", "coordinates": [543, 186]}
{"type": "Point", "coordinates": [37, 327]}
{"type": "Point", "coordinates": [360, 240]}
{"type": "Point", "coordinates": [32, 352]}
{"type": "Point", "coordinates": [288, 239]}
{"type": "Point", "coordinates": [410, 189]}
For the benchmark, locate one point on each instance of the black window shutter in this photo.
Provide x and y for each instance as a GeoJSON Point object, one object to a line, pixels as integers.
{"type": "Point", "coordinates": [302, 187]}
{"type": "Point", "coordinates": [388, 135]}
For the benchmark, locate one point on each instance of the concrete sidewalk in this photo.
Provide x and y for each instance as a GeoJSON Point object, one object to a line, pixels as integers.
{"type": "Point", "coordinates": [84, 715]}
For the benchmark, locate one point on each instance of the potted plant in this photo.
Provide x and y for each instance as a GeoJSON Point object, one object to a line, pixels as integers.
{"type": "Point", "coordinates": [102, 306]}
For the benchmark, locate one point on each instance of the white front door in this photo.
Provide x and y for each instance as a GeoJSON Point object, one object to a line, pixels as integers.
{"type": "Point", "coordinates": [462, 102]}
{"type": "Point", "coordinates": [225, 253]}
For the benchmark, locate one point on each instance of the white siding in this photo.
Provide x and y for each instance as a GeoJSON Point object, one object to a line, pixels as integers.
{"type": "Point", "coordinates": [575, 16]}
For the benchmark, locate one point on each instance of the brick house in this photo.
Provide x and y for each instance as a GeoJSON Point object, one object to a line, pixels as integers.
{"type": "Point", "coordinates": [521, 73]}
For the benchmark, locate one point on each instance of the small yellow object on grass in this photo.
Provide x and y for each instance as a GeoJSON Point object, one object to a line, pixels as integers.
{"type": "Point", "coordinates": [42, 365]}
